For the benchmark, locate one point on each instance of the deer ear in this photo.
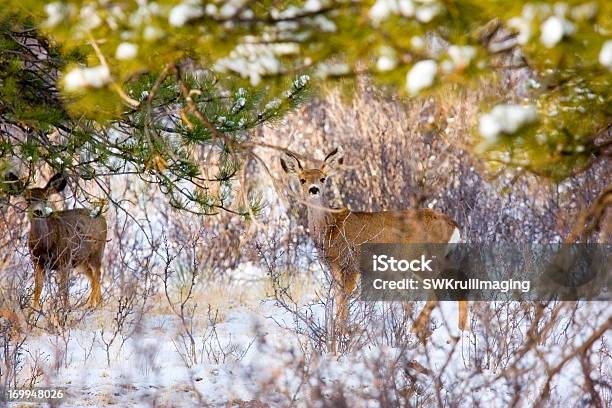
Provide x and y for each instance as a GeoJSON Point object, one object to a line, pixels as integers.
{"type": "Point", "coordinates": [333, 160]}
{"type": "Point", "coordinates": [57, 183]}
{"type": "Point", "coordinates": [290, 163]}
{"type": "Point", "coordinates": [14, 186]}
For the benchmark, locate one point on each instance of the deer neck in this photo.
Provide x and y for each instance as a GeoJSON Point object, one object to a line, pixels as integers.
{"type": "Point", "coordinates": [39, 226]}
{"type": "Point", "coordinates": [40, 232]}
{"type": "Point", "coordinates": [319, 220]}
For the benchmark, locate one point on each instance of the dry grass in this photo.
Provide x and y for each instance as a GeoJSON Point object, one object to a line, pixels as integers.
{"type": "Point", "coordinates": [419, 153]}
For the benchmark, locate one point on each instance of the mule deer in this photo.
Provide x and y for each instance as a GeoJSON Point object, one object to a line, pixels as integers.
{"type": "Point", "coordinates": [339, 233]}
{"type": "Point", "coordinates": [63, 240]}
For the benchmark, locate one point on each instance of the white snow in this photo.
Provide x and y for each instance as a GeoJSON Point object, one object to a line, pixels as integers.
{"type": "Point", "coordinates": [386, 63]}
{"type": "Point", "coordinates": [332, 69]}
{"type": "Point", "coordinates": [260, 352]}
{"type": "Point", "coordinates": [230, 8]}
{"type": "Point", "coordinates": [585, 11]}
{"type": "Point", "coordinates": [56, 13]}
{"type": "Point", "coordinates": [383, 9]}
{"type": "Point", "coordinates": [272, 105]}
{"type": "Point", "coordinates": [553, 29]}
{"type": "Point", "coordinates": [301, 81]}
{"type": "Point", "coordinates": [424, 12]}
{"type": "Point", "coordinates": [126, 51]}
{"type": "Point", "coordinates": [93, 77]}
{"type": "Point", "coordinates": [461, 55]}
{"type": "Point", "coordinates": [523, 26]}
{"type": "Point", "coordinates": [406, 8]}
{"type": "Point", "coordinates": [506, 119]}
{"type": "Point", "coordinates": [312, 5]}
{"type": "Point", "coordinates": [325, 25]}
{"type": "Point", "coordinates": [255, 61]}
{"type": "Point", "coordinates": [605, 55]}
{"type": "Point", "coordinates": [89, 18]}
{"type": "Point", "coordinates": [421, 76]}
{"type": "Point", "coordinates": [427, 12]}
{"type": "Point", "coordinates": [182, 13]}
{"type": "Point", "coordinates": [152, 33]}
{"type": "Point", "coordinates": [417, 43]}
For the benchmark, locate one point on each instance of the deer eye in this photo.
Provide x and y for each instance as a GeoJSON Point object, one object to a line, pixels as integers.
{"type": "Point", "coordinates": [302, 181]}
{"type": "Point", "coordinates": [322, 179]}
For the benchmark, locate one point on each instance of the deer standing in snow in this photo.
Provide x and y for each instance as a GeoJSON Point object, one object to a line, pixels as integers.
{"type": "Point", "coordinates": [339, 233]}
{"type": "Point", "coordinates": [63, 240]}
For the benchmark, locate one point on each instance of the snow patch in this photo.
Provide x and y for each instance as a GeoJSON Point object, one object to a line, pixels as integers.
{"type": "Point", "coordinates": [93, 77]}
{"type": "Point", "coordinates": [554, 29]}
{"type": "Point", "coordinates": [605, 55]}
{"type": "Point", "coordinates": [89, 18]}
{"type": "Point", "coordinates": [523, 26]}
{"type": "Point", "coordinates": [329, 69]}
{"type": "Point", "coordinates": [152, 33]}
{"type": "Point", "coordinates": [506, 119]}
{"type": "Point", "coordinates": [56, 13]}
{"type": "Point", "coordinates": [386, 63]}
{"type": "Point", "coordinates": [382, 9]}
{"type": "Point", "coordinates": [312, 5]}
{"type": "Point", "coordinates": [461, 55]}
{"type": "Point", "coordinates": [427, 12]}
{"type": "Point", "coordinates": [421, 76]}
{"type": "Point", "coordinates": [181, 14]}
{"type": "Point", "coordinates": [126, 51]}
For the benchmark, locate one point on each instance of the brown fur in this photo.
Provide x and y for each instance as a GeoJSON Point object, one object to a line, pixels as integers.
{"type": "Point", "coordinates": [64, 240]}
{"type": "Point", "coordinates": [339, 233]}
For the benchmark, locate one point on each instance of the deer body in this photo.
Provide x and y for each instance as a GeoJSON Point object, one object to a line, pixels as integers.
{"type": "Point", "coordinates": [64, 240]}
{"type": "Point", "coordinates": [339, 233]}
{"type": "Point", "coordinates": [401, 227]}
{"type": "Point", "coordinates": [67, 239]}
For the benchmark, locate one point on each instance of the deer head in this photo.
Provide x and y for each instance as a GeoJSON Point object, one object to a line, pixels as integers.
{"type": "Point", "coordinates": [61, 240]}
{"type": "Point", "coordinates": [37, 198]}
{"type": "Point", "coordinates": [312, 180]}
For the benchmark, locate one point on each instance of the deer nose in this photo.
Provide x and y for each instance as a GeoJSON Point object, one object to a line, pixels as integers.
{"type": "Point", "coordinates": [314, 190]}
{"type": "Point", "coordinates": [38, 213]}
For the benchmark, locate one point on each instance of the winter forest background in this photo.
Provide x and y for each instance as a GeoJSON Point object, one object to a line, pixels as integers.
{"type": "Point", "coordinates": [170, 117]}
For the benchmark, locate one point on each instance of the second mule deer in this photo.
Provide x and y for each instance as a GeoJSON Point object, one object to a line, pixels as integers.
{"type": "Point", "coordinates": [63, 240]}
{"type": "Point", "coordinates": [339, 233]}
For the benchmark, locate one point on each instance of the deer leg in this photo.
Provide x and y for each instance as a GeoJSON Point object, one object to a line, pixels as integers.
{"type": "Point", "coordinates": [64, 286]}
{"type": "Point", "coordinates": [463, 314]}
{"type": "Point", "coordinates": [95, 296]}
{"type": "Point", "coordinates": [346, 283]}
{"type": "Point", "coordinates": [39, 275]}
{"type": "Point", "coordinates": [340, 300]}
{"type": "Point", "coordinates": [350, 282]}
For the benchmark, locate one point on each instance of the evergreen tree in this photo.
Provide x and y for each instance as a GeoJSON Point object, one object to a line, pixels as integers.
{"type": "Point", "coordinates": [152, 87]}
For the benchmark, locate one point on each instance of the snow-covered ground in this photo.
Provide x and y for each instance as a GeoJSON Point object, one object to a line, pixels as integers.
{"type": "Point", "coordinates": [255, 351]}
